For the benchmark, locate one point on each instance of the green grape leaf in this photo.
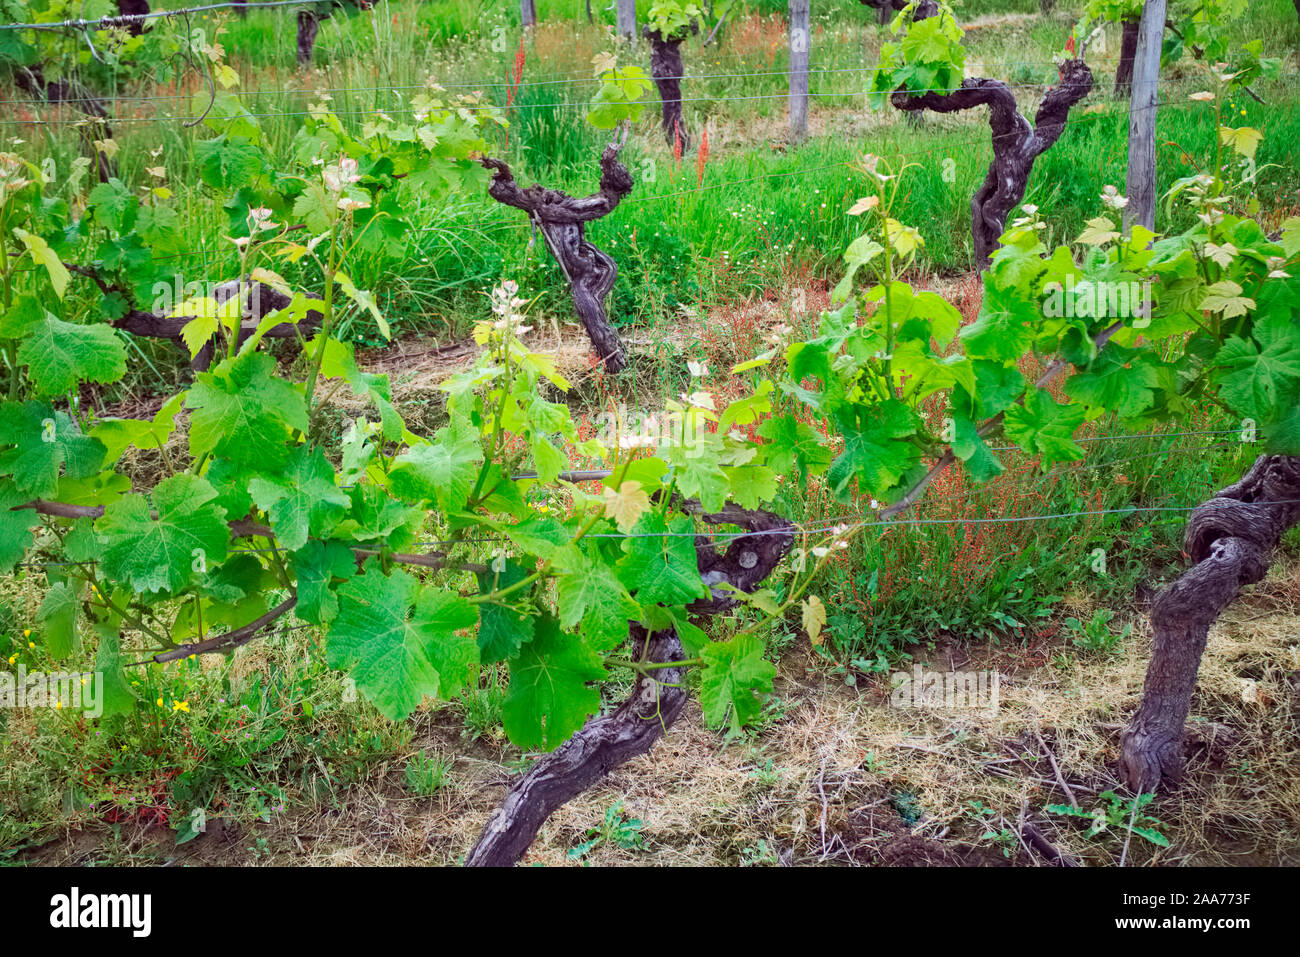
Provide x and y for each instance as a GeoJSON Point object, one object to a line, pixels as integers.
{"type": "Point", "coordinates": [997, 387]}
{"type": "Point", "coordinates": [859, 252]}
{"type": "Point", "coordinates": [303, 501]}
{"type": "Point", "coordinates": [43, 255]}
{"type": "Point", "coordinates": [539, 535]}
{"type": "Point", "coordinates": [748, 409]}
{"type": "Point", "coordinates": [112, 204]}
{"type": "Point", "coordinates": [116, 695]}
{"type": "Point", "coordinates": [98, 489]}
{"type": "Point", "coordinates": [399, 642]}
{"type": "Point", "coordinates": [236, 579]}
{"type": "Point", "coordinates": [81, 544]}
{"type": "Point", "coordinates": [1243, 139]}
{"type": "Point", "coordinates": [1117, 380]}
{"type": "Point", "coordinates": [365, 299]}
{"type": "Point", "coordinates": [60, 355]}
{"type": "Point", "coordinates": [164, 553]}
{"type": "Point", "coordinates": [377, 515]}
{"type": "Point", "coordinates": [873, 453]}
{"type": "Point", "coordinates": [1226, 297]}
{"type": "Point", "coordinates": [120, 434]}
{"type": "Point", "coordinates": [1042, 426]}
{"type": "Point", "coordinates": [502, 631]}
{"type": "Point", "coordinates": [228, 163]}
{"type": "Point", "coordinates": [58, 618]}
{"type": "Point", "coordinates": [945, 319]}
{"type": "Point", "coordinates": [967, 445]}
{"type": "Point", "coordinates": [45, 442]}
{"type": "Point", "coordinates": [701, 479]}
{"type": "Point", "coordinates": [589, 592]}
{"type": "Point", "coordinates": [1254, 380]}
{"type": "Point", "coordinates": [792, 443]}
{"type": "Point", "coordinates": [751, 485]}
{"type": "Point", "coordinates": [1003, 331]}
{"type": "Point", "coordinates": [734, 680]}
{"type": "Point", "coordinates": [650, 472]}
{"type": "Point", "coordinates": [548, 460]}
{"type": "Point", "coordinates": [659, 565]}
{"type": "Point", "coordinates": [15, 526]}
{"type": "Point", "coordinates": [1282, 434]}
{"type": "Point", "coordinates": [548, 697]}
{"type": "Point", "coordinates": [245, 413]}
{"type": "Point", "coordinates": [315, 566]}
{"type": "Point", "coordinates": [443, 470]}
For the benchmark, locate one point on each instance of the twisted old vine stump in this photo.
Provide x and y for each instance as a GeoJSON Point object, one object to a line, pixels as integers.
{"type": "Point", "coordinates": [885, 9]}
{"type": "Point", "coordinates": [1016, 145]}
{"type": "Point", "coordinates": [259, 300]}
{"type": "Point", "coordinates": [309, 23]}
{"type": "Point", "coordinates": [1128, 45]}
{"type": "Point", "coordinates": [1230, 540]}
{"type": "Point", "coordinates": [31, 80]}
{"type": "Point", "coordinates": [656, 701]}
{"type": "Point", "coordinates": [667, 71]}
{"type": "Point", "coordinates": [562, 221]}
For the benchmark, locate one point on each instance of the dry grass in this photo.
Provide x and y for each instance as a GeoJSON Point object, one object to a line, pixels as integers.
{"type": "Point", "coordinates": [842, 761]}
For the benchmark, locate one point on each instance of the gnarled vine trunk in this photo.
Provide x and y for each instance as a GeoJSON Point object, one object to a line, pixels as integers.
{"type": "Point", "coordinates": [308, 27]}
{"type": "Point", "coordinates": [562, 220]}
{"type": "Point", "coordinates": [1230, 540]}
{"type": "Point", "coordinates": [259, 300]}
{"type": "Point", "coordinates": [1128, 45]}
{"type": "Point", "coordinates": [31, 80]}
{"type": "Point", "coordinates": [133, 8]}
{"type": "Point", "coordinates": [607, 741]}
{"type": "Point", "coordinates": [666, 70]}
{"type": "Point", "coordinates": [1016, 144]}
{"type": "Point", "coordinates": [309, 24]}
{"type": "Point", "coordinates": [885, 9]}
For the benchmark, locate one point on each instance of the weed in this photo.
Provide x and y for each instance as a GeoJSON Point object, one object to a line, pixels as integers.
{"type": "Point", "coordinates": [1117, 814]}
{"type": "Point", "coordinates": [615, 828]}
{"type": "Point", "coordinates": [427, 773]}
{"type": "Point", "coordinates": [1095, 636]}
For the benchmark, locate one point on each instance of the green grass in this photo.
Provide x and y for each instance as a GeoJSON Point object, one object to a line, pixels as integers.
{"type": "Point", "coordinates": [967, 571]}
{"type": "Point", "coordinates": [757, 218]}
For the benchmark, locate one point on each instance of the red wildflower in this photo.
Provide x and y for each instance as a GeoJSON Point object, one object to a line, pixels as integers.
{"type": "Point", "coordinates": [519, 61]}
{"type": "Point", "coordinates": [514, 86]}
{"type": "Point", "coordinates": [519, 72]}
{"type": "Point", "coordinates": [702, 157]}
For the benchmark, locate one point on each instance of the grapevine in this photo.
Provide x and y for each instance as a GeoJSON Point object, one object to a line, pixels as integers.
{"type": "Point", "coordinates": [421, 558]}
